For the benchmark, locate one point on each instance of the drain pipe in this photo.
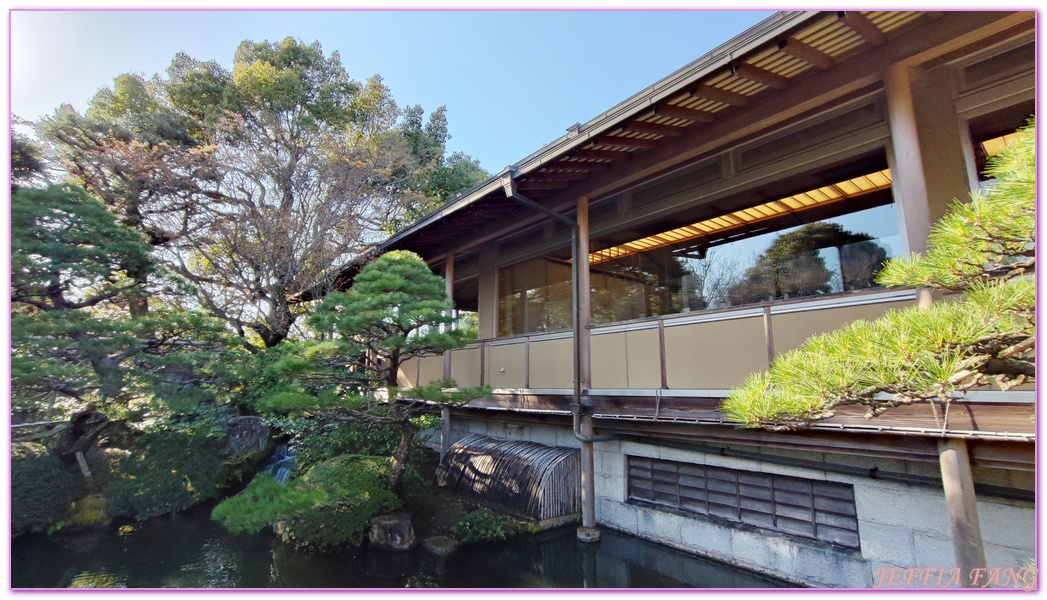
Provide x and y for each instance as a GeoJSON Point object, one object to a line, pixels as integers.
{"type": "Point", "coordinates": [583, 423]}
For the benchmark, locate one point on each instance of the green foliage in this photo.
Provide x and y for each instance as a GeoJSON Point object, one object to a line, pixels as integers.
{"type": "Point", "coordinates": [990, 237]}
{"type": "Point", "coordinates": [42, 488]}
{"type": "Point", "coordinates": [27, 163]}
{"type": "Point", "coordinates": [314, 441]}
{"type": "Point", "coordinates": [331, 505]}
{"type": "Point", "coordinates": [167, 471]}
{"type": "Point", "coordinates": [484, 526]}
{"type": "Point", "coordinates": [70, 264]}
{"type": "Point", "coordinates": [396, 309]}
{"type": "Point", "coordinates": [263, 502]}
{"type": "Point", "coordinates": [984, 248]}
{"type": "Point", "coordinates": [67, 250]}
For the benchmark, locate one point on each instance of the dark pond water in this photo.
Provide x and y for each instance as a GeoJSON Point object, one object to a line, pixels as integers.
{"type": "Point", "coordinates": [190, 550]}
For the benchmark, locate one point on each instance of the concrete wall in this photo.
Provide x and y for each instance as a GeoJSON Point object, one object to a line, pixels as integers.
{"type": "Point", "coordinates": [899, 526]}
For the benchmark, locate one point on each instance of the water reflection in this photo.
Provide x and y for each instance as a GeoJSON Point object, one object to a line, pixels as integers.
{"type": "Point", "coordinates": [192, 551]}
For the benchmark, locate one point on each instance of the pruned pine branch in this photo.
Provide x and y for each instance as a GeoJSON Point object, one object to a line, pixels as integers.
{"type": "Point", "coordinates": [984, 249]}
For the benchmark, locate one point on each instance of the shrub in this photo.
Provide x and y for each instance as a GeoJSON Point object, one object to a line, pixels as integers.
{"type": "Point", "coordinates": [315, 442]}
{"type": "Point", "coordinates": [263, 502]}
{"type": "Point", "coordinates": [42, 488]}
{"type": "Point", "coordinates": [331, 505]}
{"type": "Point", "coordinates": [166, 471]}
{"type": "Point", "coordinates": [484, 526]}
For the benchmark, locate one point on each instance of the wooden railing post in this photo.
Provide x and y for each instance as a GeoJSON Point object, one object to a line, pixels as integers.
{"type": "Point", "coordinates": [961, 503]}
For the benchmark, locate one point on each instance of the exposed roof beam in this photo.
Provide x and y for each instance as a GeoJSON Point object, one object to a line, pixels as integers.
{"type": "Point", "coordinates": [863, 27]}
{"type": "Point", "coordinates": [531, 185]}
{"type": "Point", "coordinates": [565, 165]}
{"type": "Point", "coordinates": [679, 112]}
{"type": "Point", "coordinates": [608, 140]}
{"type": "Point", "coordinates": [807, 54]}
{"type": "Point", "coordinates": [656, 128]}
{"type": "Point", "coordinates": [599, 154]}
{"type": "Point", "coordinates": [557, 176]}
{"type": "Point", "coordinates": [759, 75]}
{"type": "Point", "coordinates": [718, 95]}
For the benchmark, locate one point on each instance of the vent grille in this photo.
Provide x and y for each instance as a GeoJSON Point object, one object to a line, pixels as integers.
{"type": "Point", "coordinates": [819, 510]}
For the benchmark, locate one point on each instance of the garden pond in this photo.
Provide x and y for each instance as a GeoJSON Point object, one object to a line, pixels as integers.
{"type": "Point", "coordinates": [189, 550]}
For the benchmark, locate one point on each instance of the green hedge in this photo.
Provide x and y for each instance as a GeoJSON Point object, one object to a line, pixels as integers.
{"type": "Point", "coordinates": [42, 488]}
{"type": "Point", "coordinates": [165, 472]}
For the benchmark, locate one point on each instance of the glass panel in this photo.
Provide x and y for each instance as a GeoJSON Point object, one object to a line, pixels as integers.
{"type": "Point", "coordinates": [835, 255]}
{"type": "Point", "coordinates": [831, 256]}
{"type": "Point", "coordinates": [534, 295]}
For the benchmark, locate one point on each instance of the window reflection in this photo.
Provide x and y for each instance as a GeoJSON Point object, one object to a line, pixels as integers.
{"type": "Point", "coordinates": [831, 256]}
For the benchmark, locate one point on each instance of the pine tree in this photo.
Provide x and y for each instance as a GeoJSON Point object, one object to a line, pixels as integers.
{"type": "Point", "coordinates": [396, 310]}
{"type": "Point", "coordinates": [984, 251]}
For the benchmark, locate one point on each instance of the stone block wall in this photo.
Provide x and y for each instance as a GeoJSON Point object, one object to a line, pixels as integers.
{"type": "Point", "coordinates": [899, 526]}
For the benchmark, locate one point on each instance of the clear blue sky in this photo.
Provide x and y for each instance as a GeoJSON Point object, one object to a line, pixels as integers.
{"type": "Point", "coordinates": [511, 81]}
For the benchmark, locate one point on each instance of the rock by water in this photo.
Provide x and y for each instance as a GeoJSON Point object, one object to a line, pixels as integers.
{"type": "Point", "coordinates": [393, 531]}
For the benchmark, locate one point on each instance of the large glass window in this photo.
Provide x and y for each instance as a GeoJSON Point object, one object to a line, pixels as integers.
{"type": "Point", "coordinates": [829, 240]}
{"type": "Point", "coordinates": [829, 256]}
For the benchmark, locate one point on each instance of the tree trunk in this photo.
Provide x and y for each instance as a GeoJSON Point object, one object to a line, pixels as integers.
{"type": "Point", "coordinates": [80, 436]}
{"type": "Point", "coordinates": [137, 301]}
{"type": "Point", "coordinates": [408, 433]}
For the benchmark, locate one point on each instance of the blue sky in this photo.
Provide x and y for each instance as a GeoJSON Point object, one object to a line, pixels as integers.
{"type": "Point", "coordinates": [511, 80]}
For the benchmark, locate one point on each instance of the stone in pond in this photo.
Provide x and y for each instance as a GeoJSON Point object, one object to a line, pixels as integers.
{"type": "Point", "coordinates": [440, 545]}
{"type": "Point", "coordinates": [393, 531]}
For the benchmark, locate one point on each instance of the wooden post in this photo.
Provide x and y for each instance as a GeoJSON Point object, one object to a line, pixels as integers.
{"type": "Point", "coordinates": [583, 368]}
{"type": "Point", "coordinates": [663, 372]}
{"type": "Point", "coordinates": [445, 431]}
{"type": "Point", "coordinates": [908, 181]}
{"type": "Point", "coordinates": [963, 510]}
{"type": "Point", "coordinates": [588, 476]}
{"type": "Point", "coordinates": [449, 287]}
{"type": "Point", "coordinates": [768, 333]}
{"type": "Point", "coordinates": [527, 362]}
{"type": "Point", "coordinates": [582, 312]}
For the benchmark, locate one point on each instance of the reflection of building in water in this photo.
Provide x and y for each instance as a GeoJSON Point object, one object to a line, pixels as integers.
{"type": "Point", "coordinates": [718, 219]}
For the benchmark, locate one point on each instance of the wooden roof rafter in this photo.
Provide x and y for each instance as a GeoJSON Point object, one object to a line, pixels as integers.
{"type": "Point", "coordinates": [707, 92]}
{"type": "Point", "coordinates": [861, 25]}
{"type": "Point", "coordinates": [807, 54]}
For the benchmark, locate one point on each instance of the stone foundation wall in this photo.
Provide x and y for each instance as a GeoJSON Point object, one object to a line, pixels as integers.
{"type": "Point", "coordinates": [899, 526]}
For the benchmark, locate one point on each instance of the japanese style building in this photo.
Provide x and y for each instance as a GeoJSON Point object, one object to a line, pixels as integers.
{"type": "Point", "coordinates": [695, 205]}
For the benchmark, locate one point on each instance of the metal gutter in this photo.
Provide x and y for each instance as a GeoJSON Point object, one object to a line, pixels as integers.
{"type": "Point", "coordinates": [719, 57]}
{"type": "Point", "coordinates": [674, 83]}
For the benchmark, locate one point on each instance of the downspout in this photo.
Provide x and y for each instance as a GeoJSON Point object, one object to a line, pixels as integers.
{"type": "Point", "coordinates": [583, 424]}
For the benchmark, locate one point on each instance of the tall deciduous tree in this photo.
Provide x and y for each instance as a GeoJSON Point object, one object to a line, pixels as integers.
{"type": "Point", "coordinates": [984, 249]}
{"type": "Point", "coordinates": [142, 157]}
{"type": "Point", "coordinates": [254, 184]}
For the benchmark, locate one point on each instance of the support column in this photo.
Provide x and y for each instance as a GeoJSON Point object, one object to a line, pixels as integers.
{"type": "Point", "coordinates": [908, 182]}
{"type": "Point", "coordinates": [945, 142]}
{"type": "Point", "coordinates": [963, 510]}
{"type": "Point", "coordinates": [445, 431]}
{"type": "Point", "coordinates": [449, 287]}
{"type": "Point", "coordinates": [583, 370]}
{"type": "Point", "coordinates": [582, 317]}
{"type": "Point", "coordinates": [588, 484]}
